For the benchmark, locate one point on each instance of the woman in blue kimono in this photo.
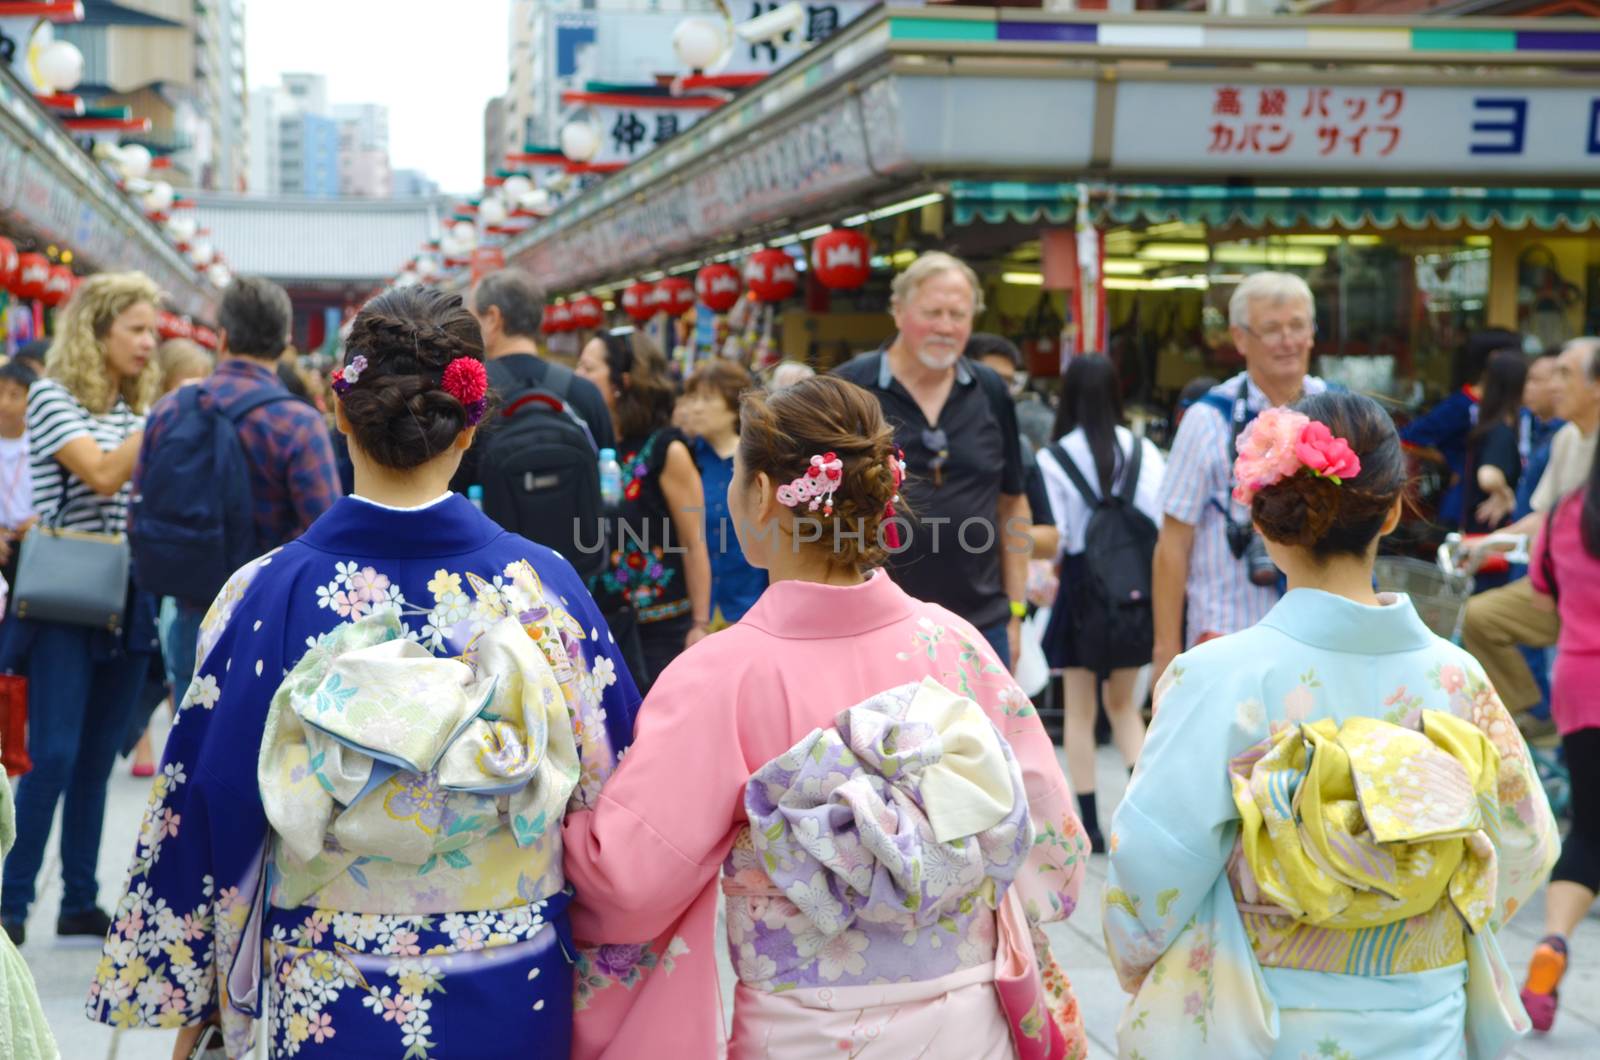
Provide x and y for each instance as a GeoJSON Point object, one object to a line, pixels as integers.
{"type": "Point", "coordinates": [1333, 815]}
{"type": "Point", "coordinates": [355, 832]}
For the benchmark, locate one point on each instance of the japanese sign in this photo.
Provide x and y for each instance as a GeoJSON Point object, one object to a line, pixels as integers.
{"type": "Point", "coordinates": [1463, 131]}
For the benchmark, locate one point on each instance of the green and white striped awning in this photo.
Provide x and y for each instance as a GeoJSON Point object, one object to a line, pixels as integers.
{"type": "Point", "coordinates": [996, 202]}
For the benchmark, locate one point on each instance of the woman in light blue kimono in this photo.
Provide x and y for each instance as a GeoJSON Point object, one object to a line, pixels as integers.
{"type": "Point", "coordinates": [1333, 814]}
{"type": "Point", "coordinates": [355, 833]}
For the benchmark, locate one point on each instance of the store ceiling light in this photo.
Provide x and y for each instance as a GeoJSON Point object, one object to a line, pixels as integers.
{"type": "Point", "coordinates": [1178, 229]}
{"type": "Point", "coordinates": [1314, 239]}
{"type": "Point", "coordinates": [1164, 283]}
{"type": "Point", "coordinates": [1022, 279]}
{"type": "Point", "coordinates": [783, 241]}
{"type": "Point", "coordinates": [1125, 267]}
{"type": "Point", "coordinates": [853, 220]}
{"type": "Point", "coordinates": [812, 233]}
{"type": "Point", "coordinates": [1196, 252]}
{"type": "Point", "coordinates": [908, 204]}
{"type": "Point", "coordinates": [901, 258]}
{"type": "Point", "coordinates": [1256, 254]}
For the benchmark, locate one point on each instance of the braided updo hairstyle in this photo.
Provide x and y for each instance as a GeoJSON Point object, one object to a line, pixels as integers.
{"type": "Point", "coordinates": [1338, 519]}
{"type": "Point", "coordinates": [399, 413]}
{"type": "Point", "coordinates": [779, 433]}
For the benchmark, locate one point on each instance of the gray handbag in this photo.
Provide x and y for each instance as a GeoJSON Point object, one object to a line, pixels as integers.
{"type": "Point", "coordinates": [72, 576]}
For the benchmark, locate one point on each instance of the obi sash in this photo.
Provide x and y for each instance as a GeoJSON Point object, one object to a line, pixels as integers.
{"type": "Point", "coordinates": [1366, 848]}
{"type": "Point", "coordinates": [877, 853]}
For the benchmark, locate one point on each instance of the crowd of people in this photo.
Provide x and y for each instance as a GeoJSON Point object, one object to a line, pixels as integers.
{"type": "Point", "coordinates": [493, 676]}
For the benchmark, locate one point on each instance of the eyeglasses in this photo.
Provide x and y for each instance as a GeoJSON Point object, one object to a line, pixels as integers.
{"type": "Point", "coordinates": [1295, 331]}
{"type": "Point", "coordinates": [937, 443]}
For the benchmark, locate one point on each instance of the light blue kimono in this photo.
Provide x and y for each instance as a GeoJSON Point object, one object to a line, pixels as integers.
{"type": "Point", "coordinates": [1173, 925]}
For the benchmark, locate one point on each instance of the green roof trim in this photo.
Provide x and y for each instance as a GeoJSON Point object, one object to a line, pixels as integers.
{"type": "Point", "coordinates": [1463, 40]}
{"type": "Point", "coordinates": [942, 29]}
{"type": "Point", "coordinates": [996, 202]}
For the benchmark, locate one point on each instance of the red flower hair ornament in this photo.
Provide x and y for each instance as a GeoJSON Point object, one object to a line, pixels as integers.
{"type": "Point", "coordinates": [467, 382]}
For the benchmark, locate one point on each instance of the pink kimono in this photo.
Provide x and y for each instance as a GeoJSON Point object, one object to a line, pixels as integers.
{"type": "Point", "coordinates": [646, 860]}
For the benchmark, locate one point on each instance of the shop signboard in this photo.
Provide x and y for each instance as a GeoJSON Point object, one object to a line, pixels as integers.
{"type": "Point", "coordinates": [635, 48]}
{"type": "Point", "coordinates": [1463, 132]}
{"type": "Point", "coordinates": [824, 154]}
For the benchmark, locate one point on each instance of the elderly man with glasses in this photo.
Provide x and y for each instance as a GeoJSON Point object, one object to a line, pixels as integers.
{"type": "Point", "coordinates": [1208, 555]}
{"type": "Point", "coordinates": [966, 546]}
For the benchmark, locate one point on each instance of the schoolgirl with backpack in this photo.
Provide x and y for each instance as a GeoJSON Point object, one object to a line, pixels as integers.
{"type": "Point", "coordinates": [1105, 489]}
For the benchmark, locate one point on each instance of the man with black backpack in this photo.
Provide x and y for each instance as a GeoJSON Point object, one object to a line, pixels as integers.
{"type": "Point", "coordinates": [537, 454]}
{"type": "Point", "coordinates": [231, 467]}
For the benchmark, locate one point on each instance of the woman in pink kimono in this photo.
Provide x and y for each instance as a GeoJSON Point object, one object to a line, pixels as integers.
{"type": "Point", "coordinates": [861, 777]}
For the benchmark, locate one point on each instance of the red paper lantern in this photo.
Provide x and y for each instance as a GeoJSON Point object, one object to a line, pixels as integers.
{"type": "Point", "coordinates": [33, 275]}
{"type": "Point", "coordinates": [770, 275]}
{"type": "Point", "coordinates": [639, 301]}
{"type": "Point", "coordinates": [675, 295]}
{"type": "Point", "coordinates": [559, 317]}
{"type": "Point", "coordinates": [58, 286]}
{"type": "Point", "coordinates": [8, 264]}
{"type": "Point", "coordinates": [205, 337]}
{"type": "Point", "coordinates": [840, 259]}
{"type": "Point", "coordinates": [166, 324]}
{"type": "Point", "coordinates": [587, 312]}
{"type": "Point", "coordinates": [718, 287]}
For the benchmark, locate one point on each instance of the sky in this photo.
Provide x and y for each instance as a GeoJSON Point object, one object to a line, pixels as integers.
{"type": "Point", "coordinates": [433, 64]}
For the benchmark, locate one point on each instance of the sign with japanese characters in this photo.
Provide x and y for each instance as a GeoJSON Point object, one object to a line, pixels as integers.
{"type": "Point", "coordinates": [1369, 130]}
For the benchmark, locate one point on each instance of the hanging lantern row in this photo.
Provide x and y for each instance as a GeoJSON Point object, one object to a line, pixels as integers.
{"type": "Point", "coordinates": [173, 326]}
{"type": "Point", "coordinates": [841, 260]}
{"type": "Point", "coordinates": [34, 276]}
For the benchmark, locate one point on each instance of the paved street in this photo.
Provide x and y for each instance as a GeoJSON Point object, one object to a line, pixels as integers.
{"type": "Point", "coordinates": [63, 972]}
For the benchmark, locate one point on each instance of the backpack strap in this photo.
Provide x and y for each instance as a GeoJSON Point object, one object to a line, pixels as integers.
{"type": "Point", "coordinates": [1090, 497]}
{"type": "Point", "coordinates": [558, 380]}
{"type": "Point", "coordinates": [1130, 472]}
{"type": "Point", "coordinates": [239, 408]}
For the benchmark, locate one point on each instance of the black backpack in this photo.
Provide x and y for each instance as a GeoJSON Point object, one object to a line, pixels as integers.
{"type": "Point", "coordinates": [187, 540]}
{"type": "Point", "coordinates": [1112, 622]}
{"type": "Point", "coordinates": [540, 469]}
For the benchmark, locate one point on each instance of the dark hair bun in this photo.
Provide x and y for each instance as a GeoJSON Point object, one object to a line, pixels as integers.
{"type": "Point", "coordinates": [1338, 518]}
{"type": "Point", "coordinates": [398, 411]}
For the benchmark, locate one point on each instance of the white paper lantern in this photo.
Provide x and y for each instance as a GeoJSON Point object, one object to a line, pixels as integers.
{"type": "Point", "coordinates": [61, 65]}
{"type": "Point", "coordinates": [580, 141]}
{"type": "Point", "coordinates": [182, 226]}
{"type": "Point", "coordinates": [699, 43]}
{"type": "Point", "coordinates": [536, 201]}
{"type": "Point", "coordinates": [491, 211]}
{"type": "Point", "coordinates": [407, 278]}
{"type": "Point", "coordinates": [464, 235]}
{"type": "Point", "coordinates": [516, 187]}
{"type": "Point", "coordinates": [201, 253]}
{"type": "Point", "coordinates": [159, 198]}
{"type": "Point", "coordinates": [134, 161]}
{"type": "Point", "coordinates": [219, 274]}
{"type": "Point", "coordinates": [427, 267]}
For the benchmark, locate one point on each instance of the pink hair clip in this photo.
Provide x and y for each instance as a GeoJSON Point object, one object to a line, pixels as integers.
{"type": "Point", "coordinates": [897, 468]}
{"type": "Point", "coordinates": [817, 485]}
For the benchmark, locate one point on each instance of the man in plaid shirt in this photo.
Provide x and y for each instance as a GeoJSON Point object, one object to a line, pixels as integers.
{"type": "Point", "coordinates": [293, 478]}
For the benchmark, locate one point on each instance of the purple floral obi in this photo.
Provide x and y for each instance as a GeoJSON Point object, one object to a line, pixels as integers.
{"type": "Point", "coordinates": [878, 850]}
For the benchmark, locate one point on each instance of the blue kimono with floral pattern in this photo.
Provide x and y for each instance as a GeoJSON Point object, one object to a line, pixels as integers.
{"type": "Point", "coordinates": [466, 953]}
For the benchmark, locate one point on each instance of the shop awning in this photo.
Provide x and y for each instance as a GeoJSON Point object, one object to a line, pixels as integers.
{"type": "Point", "coordinates": [996, 202]}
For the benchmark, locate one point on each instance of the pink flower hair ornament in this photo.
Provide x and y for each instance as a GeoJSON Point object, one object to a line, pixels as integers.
{"type": "Point", "coordinates": [1281, 443]}
{"type": "Point", "coordinates": [816, 486]}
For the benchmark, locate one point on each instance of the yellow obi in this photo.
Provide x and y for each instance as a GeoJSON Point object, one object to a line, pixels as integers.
{"type": "Point", "coordinates": [1365, 848]}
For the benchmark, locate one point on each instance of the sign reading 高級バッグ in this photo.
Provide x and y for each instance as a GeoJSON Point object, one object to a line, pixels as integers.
{"type": "Point", "coordinates": [1461, 131]}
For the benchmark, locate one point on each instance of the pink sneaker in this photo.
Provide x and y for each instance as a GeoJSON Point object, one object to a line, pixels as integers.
{"type": "Point", "coordinates": [1541, 1009]}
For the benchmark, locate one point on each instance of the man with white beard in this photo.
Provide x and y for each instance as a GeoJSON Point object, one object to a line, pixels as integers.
{"type": "Point", "coordinates": [964, 543]}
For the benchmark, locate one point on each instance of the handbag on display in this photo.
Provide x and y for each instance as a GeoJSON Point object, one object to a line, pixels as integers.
{"type": "Point", "coordinates": [75, 577]}
{"type": "Point", "coordinates": [14, 725]}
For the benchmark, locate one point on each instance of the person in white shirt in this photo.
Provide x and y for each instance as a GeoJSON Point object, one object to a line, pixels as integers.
{"type": "Point", "coordinates": [16, 480]}
{"type": "Point", "coordinates": [1091, 436]}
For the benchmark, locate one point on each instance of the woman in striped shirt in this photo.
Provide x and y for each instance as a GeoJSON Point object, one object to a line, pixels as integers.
{"type": "Point", "coordinates": [85, 423]}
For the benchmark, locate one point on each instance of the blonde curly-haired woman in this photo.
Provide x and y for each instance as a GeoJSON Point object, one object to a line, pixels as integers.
{"type": "Point", "coordinates": [85, 423]}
